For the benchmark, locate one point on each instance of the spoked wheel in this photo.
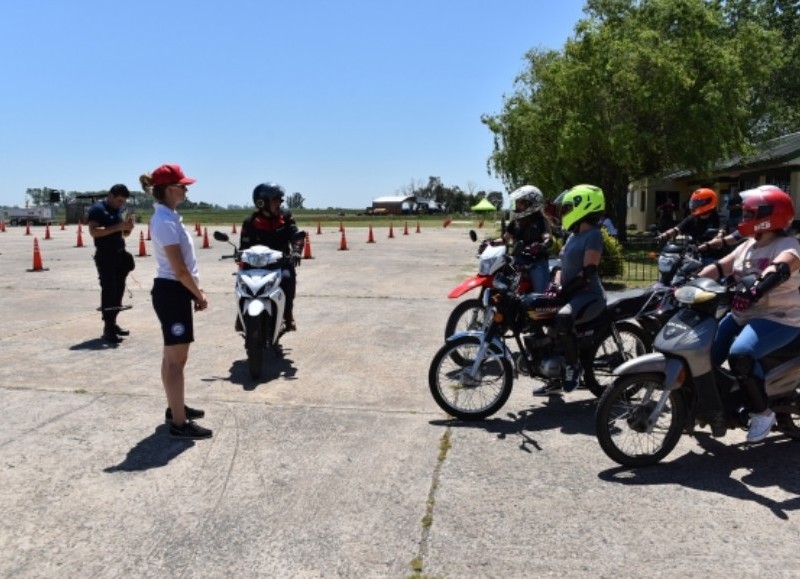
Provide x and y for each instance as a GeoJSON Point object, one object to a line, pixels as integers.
{"type": "Point", "coordinates": [625, 427]}
{"type": "Point", "coordinates": [461, 393]}
{"type": "Point", "coordinates": [254, 340]}
{"type": "Point", "coordinates": [607, 356]}
{"type": "Point", "coordinates": [466, 316]}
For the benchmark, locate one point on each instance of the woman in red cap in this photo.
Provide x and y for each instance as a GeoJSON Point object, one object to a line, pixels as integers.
{"type": "Point", "coordinates": [175, 289]}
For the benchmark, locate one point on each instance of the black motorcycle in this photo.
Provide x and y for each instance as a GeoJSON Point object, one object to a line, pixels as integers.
{"type": "Point", "coordinates": [472, 374]}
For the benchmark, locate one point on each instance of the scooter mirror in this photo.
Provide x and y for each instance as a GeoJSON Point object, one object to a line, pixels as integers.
{"type": "Point", "coordinates": [299, 236]}
{"type": "Point", "coordinates": [472, 235]}
{"type": "Point", "coordinates": [219, 236]}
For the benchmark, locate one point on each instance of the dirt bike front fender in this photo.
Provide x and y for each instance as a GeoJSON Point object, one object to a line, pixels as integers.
{"type": "Point", "coordinates": [497, 344]}
{"type": "Point", "coordinates": [469, 284]}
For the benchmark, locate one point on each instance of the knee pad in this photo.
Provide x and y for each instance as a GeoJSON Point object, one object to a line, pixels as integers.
{"type": "Point", "coordinates": [563, 324]}
{"type": "Point", "coordinates": [741, 365]}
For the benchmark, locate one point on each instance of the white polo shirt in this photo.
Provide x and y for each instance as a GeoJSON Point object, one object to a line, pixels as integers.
{"type": "Point", "coordinates": [166, 228]}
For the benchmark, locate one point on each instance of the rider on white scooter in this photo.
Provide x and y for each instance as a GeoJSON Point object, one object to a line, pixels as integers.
{"type": "Point", "coordinates": [274, 227]}
{"type": "Point", "coordinates": [766, 316]}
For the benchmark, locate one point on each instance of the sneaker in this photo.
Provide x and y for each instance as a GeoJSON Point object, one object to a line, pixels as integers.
{"type": "Point", "coordinates": [121, 332]}
{"type": "Point", "coordinates": [572, 377]}
{"type": "Point", "coordinates": [189, 430]}
{"type": "Point", "coordinates": [191, 413]}
{"type": "Point", "coordinates": [547, 389]}
{"type": "Point", "coordinates": [760, 425]}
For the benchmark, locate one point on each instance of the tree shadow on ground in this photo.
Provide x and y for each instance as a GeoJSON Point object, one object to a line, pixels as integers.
{"type": "Point", "coordinates": [154, 451]}
{"type": "Point", "coordinates": [712, 470]}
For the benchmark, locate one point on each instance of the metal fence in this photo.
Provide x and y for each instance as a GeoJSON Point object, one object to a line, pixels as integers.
{"type": "Point", "coordinates": [639, 260]}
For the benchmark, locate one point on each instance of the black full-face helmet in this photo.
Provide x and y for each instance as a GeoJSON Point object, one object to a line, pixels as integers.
{"type": "Point", "coordinates": [264, 192]}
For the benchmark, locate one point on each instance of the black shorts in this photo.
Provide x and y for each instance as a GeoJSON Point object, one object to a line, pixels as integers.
{"type": "Point", "coordinates": [173, 305]}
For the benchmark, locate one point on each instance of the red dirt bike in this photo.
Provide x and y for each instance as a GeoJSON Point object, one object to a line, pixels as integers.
{"type": "Point", "coordinates": [469, 315]}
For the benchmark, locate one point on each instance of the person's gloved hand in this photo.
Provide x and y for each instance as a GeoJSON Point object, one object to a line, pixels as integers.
{"type": "Point", "coordinates": [296, 259]}
{"type": "Point", "coordinates": [743, 300]}
{"type": "Point", "coordinates": [537, 250]}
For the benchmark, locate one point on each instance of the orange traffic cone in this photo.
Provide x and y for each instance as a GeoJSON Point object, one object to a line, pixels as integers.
{"type": "Point", "coordinates": [391, 231]}
{"type": "Point", "coordinates": [319, 228]}
{"type": "Point", "coordinates": [148, 232]}
{"type": "Point", "coordinates": [47, 231]}
{"type": "Point", "coordinates": [341, 227]}
{"type": "Point", "coordinates": [27, 228]}
{"type": "Point", "coordinates": [418, 229]}
{"type": "Point", "coordinates": [79, 243]}
{"type": "Point", "coordinates": [371, 238]}
{"type": "Point", "coordinates": [480, 224]}
{"type": "Point", "coordinates": [62, 226]}
{"type": "Point", "coordinates": [206, 245]}
{"type": "Point", "coordinates": [343, 245]}
{"type": "Point", "coordinates": [447, 222]}
{"type": "Point", "coordinates": [198, 229]}
{"type": "Point", "coordinates": [37, 257]}
{"type": "Point", "coordinates": [405, 229]}
{"type": "Point", "coordinates": [2, 226]}
{"type": "Point", "coordinates": [233, 229]}
{"type": "Point", "coordinates": [307, 248]}
{"type": "Point", "coordinates": [142, 250]}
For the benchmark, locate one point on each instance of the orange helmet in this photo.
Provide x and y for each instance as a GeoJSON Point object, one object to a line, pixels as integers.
{"type": "Point", "coordinates": [766, 208]}
{"type": "Point", "coordinates": [703, 201]}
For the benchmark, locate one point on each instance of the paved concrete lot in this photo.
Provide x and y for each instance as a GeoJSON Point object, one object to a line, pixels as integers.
{"type": "Point", "coordinates": [337, 463]}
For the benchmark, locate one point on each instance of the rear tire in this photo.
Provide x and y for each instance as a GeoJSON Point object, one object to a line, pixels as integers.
{"type": "Point", "coordinates": [464, 397]}
{"type": "Point", "coordinates": [621, 420]}
{"type": "Point", "coordinates": [600, 371]}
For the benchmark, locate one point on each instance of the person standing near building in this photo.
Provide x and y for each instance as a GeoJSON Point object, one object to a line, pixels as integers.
{"type": "Point", "coordinates": [108, 227]}
{"type": "Point", "coordinates": [176, 288]}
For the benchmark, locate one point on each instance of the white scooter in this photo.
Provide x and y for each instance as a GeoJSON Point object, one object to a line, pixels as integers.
{"type": "Point", "coordinates": [260, 299]}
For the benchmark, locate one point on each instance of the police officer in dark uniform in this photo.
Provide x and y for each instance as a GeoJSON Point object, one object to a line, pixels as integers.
{"type": "Point", "coordinates": [274, 227]}
{"type": "Point", "coordinates": [108, 226]}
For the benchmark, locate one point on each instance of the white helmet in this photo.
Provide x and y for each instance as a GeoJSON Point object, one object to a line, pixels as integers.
{"type": "Point", "coordinates": [533, 198]}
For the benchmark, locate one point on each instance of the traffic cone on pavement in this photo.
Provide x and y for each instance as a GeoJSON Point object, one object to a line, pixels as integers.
{"type": "Point", "coordinates": [2, 226]}
{"type": "Point", "coordinates": [206, 245]}
{"type": "Point", "coordinates": [307, 248]}
{"type": "Point", "coordinates": [343, 244]}
{"type": "Point", "coordinates": [480, 224]}
{"type": "Point", "coordinates": [319, 228]}
{"type": "Point", "coordinates": [391, 231]}
{"type": "Point", "coordinates": [148, 232]}
{"type": "Point", "coordinates": [405, 228]}
{"type": "Point", "coordinates": [142, 250]}
{"type": "Point", "coordinates": [233, 229]}
{"type": "Point", "coordinates": [447, 222]}
{"type": "Point", "coordinates": [27, 228]}
{"type": "Point", "coordinates": [371, 237]}
{"type": "Point", "coordinates": [47, 231]}
{"type": "Point", "coordinates": [62, 226]}
{"type": "Point", "coordinates": [37, 257]}
{"type": "Point", "coordinates": [198, 229]}
{"type": "Point", "coordinates": [79, 243]}
{"type": "Point", "coordinates": [418, 229]}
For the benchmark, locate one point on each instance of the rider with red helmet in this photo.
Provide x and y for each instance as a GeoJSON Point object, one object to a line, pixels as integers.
{"type": "Point", "coordinates": [765, 316]}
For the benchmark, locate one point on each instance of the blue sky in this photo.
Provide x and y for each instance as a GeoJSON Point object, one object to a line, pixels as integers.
{"type": "Point", "coordinates": [340, 101]}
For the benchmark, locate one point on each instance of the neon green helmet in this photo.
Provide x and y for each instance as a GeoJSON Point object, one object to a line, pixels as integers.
{"type": "Point", "coordinates": [580, 202]}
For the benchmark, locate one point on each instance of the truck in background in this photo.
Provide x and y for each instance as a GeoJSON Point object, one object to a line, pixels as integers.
{"type": "Point", "coordinates": [34, 215]}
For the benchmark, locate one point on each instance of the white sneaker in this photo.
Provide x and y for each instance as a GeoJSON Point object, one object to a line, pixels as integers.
{"type": "Point", "coordinates": [760, 425]}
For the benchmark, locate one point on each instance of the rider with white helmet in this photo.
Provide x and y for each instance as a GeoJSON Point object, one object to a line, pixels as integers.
{"type": "Point", "coordinates": [531, 226]}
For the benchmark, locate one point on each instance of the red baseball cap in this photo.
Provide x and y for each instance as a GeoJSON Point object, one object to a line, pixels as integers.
{"type": "Point", "coordinates": [170, 175]}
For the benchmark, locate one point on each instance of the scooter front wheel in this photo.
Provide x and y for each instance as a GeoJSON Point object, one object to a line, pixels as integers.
{"type": "Point", "coordinates": [254, 340]}
{"type": "Point", "coordinates": [460, 392]}
{"type": "Point", "coordinates": [624, 425]}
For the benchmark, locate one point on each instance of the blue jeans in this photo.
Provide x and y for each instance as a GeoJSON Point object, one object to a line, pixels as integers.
{"type": "Point", "coordinates": [539, 275]}
{"type": "Point", "coordinates": [755, 339]}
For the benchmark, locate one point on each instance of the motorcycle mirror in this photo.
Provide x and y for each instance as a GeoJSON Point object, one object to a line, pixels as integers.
{"type": "Point", "coordinates": [299, 236]}
{"type": "Point", "coordinates": [472, 235]}
{"type": "Point", "coordinates": [219, 236]}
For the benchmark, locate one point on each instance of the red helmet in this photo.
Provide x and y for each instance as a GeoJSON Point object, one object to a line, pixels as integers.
{"type": "Point", "coordinates": [765, 208]}
{"type": "Point", "coordinates": [703, 201]}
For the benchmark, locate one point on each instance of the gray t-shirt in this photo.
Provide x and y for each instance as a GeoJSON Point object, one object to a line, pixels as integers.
{"type": "Point", "coordinates": [572, 258]}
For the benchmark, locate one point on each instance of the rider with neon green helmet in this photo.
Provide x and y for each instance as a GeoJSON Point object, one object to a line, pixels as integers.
{"type": "Point", "coordinates": [578, 281]}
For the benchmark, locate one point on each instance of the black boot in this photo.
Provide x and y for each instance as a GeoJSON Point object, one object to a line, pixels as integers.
{"type": "Point", "coordinates": [110, 334]}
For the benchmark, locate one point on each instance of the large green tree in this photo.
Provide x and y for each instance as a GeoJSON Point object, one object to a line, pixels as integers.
{"type": "Point", "coordinates": [642, 87]}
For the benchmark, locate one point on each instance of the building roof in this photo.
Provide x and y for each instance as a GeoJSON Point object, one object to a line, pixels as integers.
{"type": "Point", "coordinates": [775, 151]}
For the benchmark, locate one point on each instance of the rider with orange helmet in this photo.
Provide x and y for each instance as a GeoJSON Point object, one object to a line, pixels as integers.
{"type": "Point", "coordinates": [765, 316]}
{"type": "Point", "coordinates": [702, 218]}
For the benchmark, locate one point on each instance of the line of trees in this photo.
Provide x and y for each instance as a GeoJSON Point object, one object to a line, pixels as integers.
{"type": "Point", "coordinates": [454, 199]}
{"type": "Point", "coordinates": [648, 86]}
